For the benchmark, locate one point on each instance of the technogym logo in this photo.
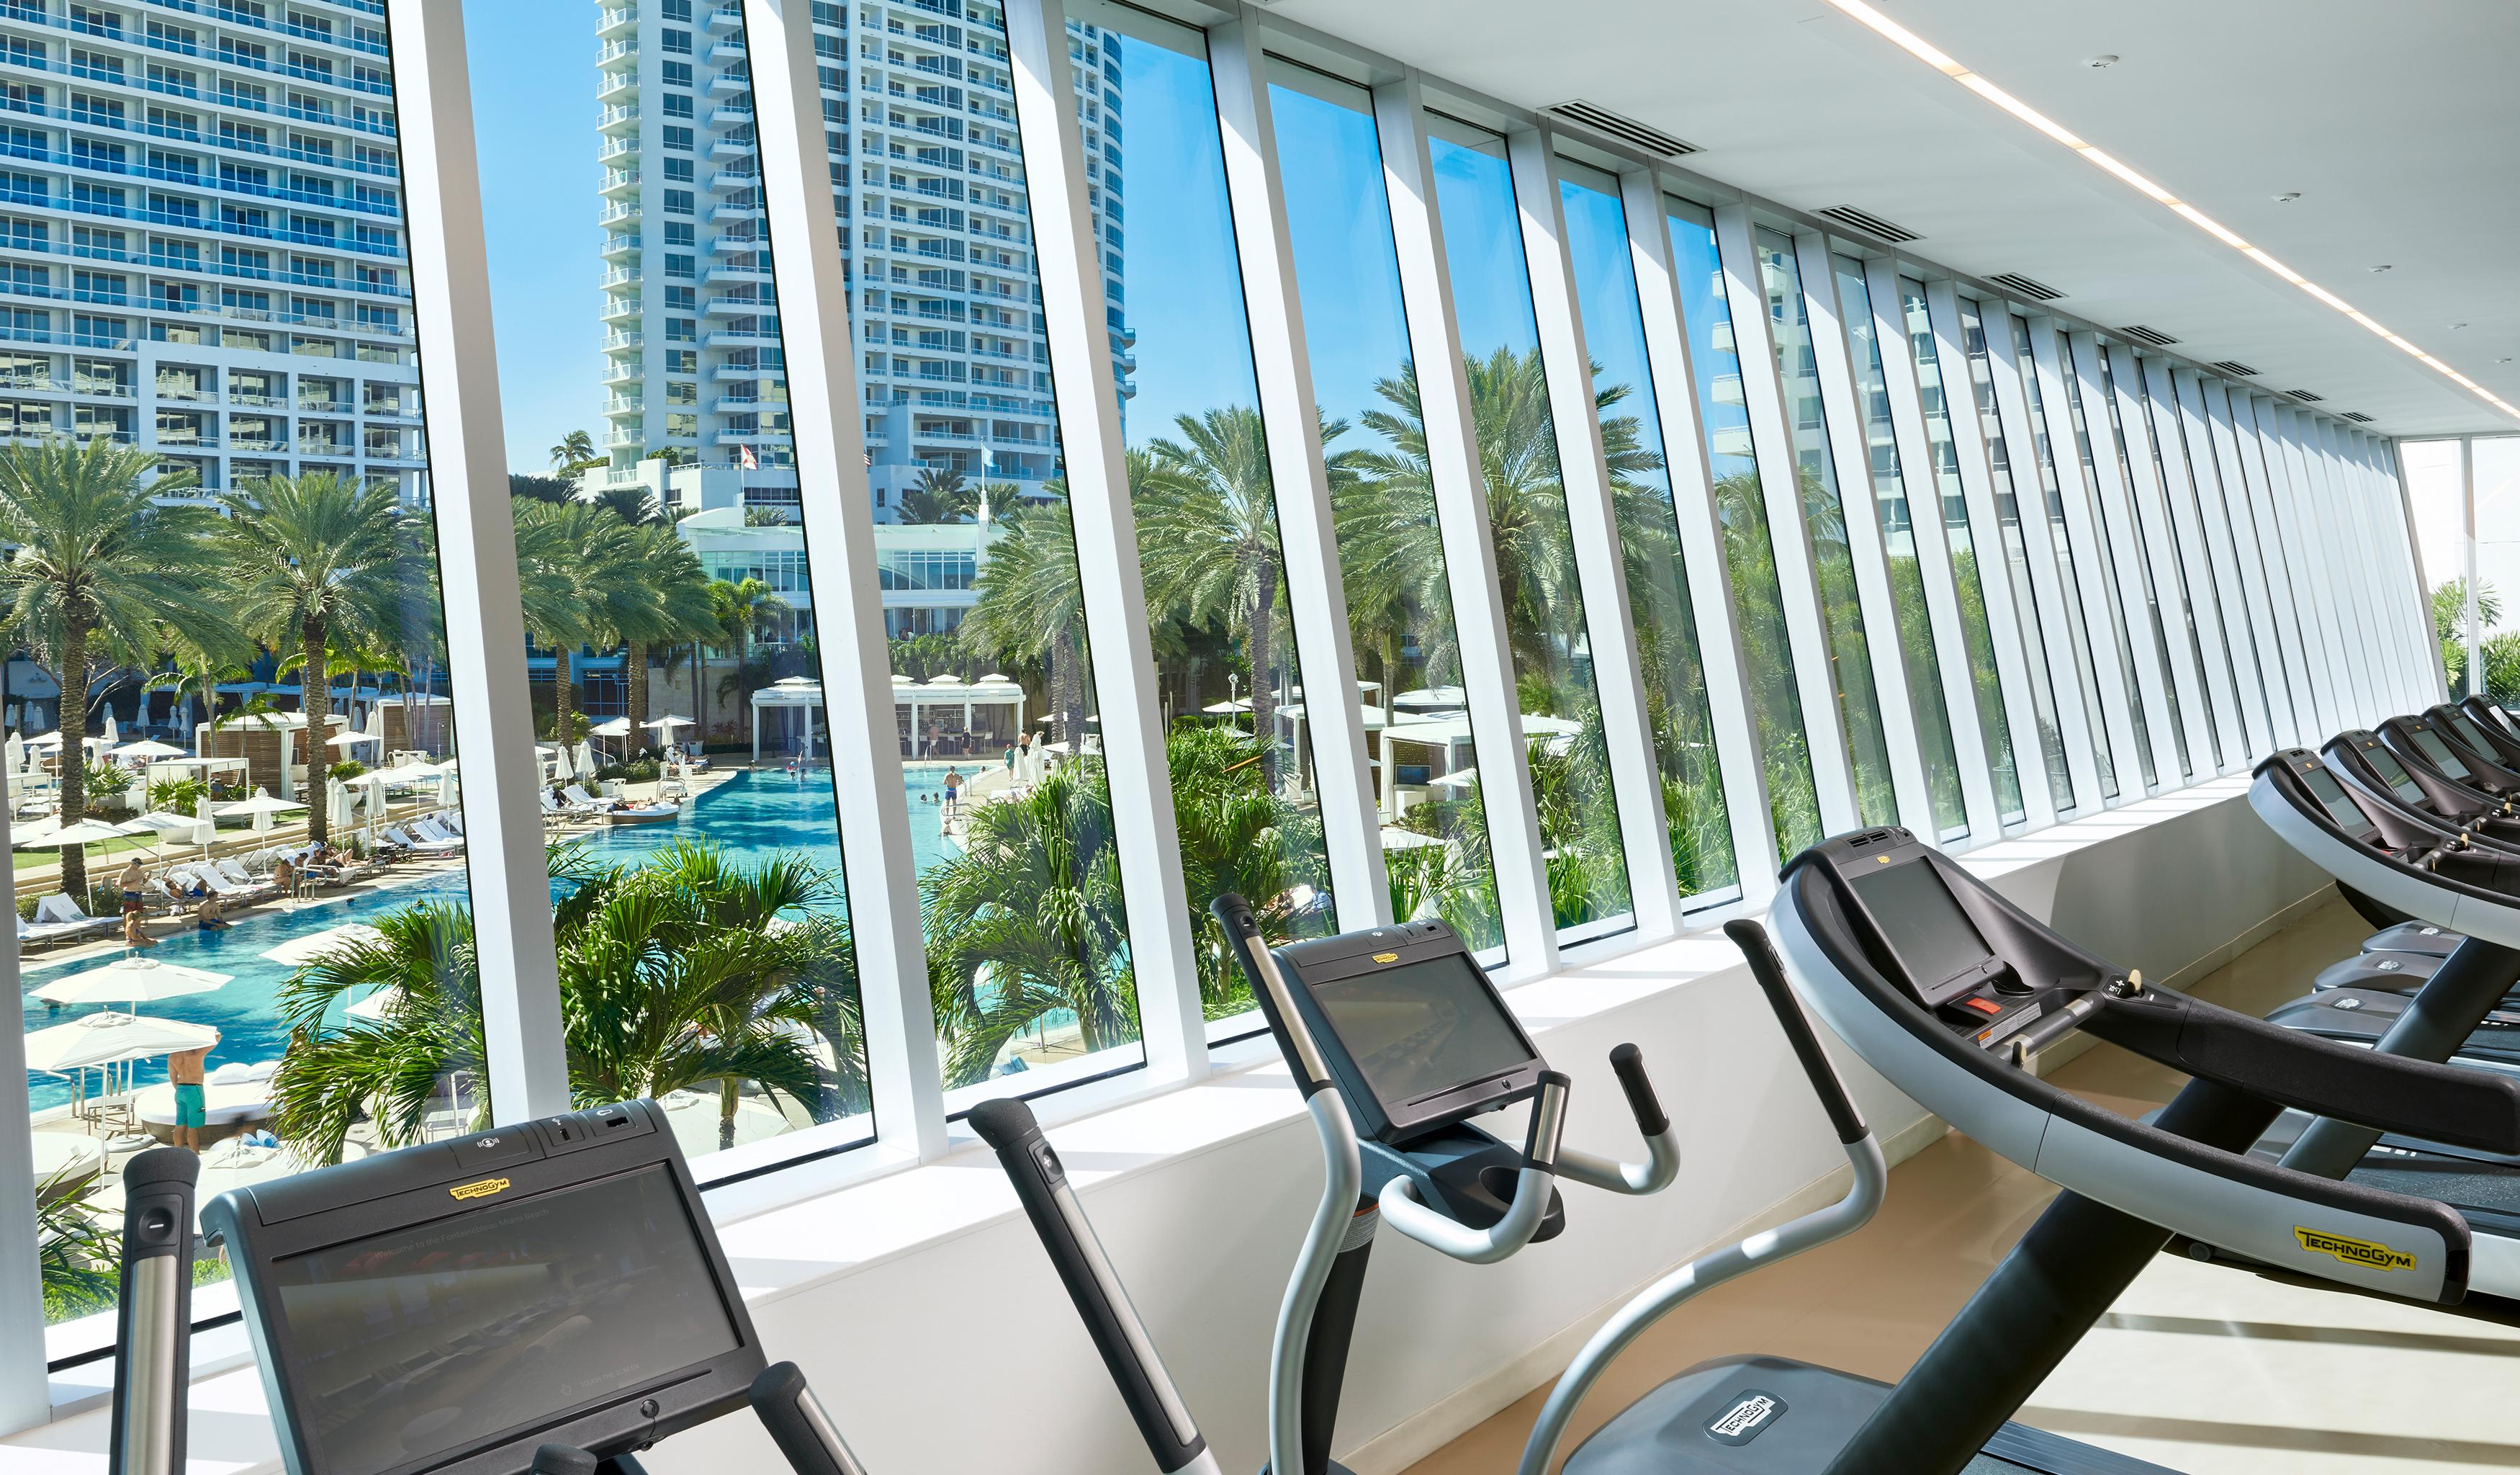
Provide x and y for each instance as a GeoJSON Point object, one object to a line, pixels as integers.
{"type": "Point", "coordinates": [2361, 1252]}
{"type": "Point", "coordinates": [485, 1188]}
{"type": "Point", "coordinates": [1747, 1417]}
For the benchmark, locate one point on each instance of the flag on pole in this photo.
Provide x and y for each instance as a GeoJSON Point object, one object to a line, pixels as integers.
{"type": "Point", "coordinates": [743, 457]}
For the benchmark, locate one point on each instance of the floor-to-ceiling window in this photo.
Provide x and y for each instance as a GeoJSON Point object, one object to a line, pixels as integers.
{"type": "Point", "coordinates": [1632, 440]}
{"type": "Point", "coordinates": [1825, 515]}
{"type": "Point", "coordinates": [2086, 448]}
{"type": "Point", "coordinates": [1793, 803]}
{"type": "Point", "coordinates": [243, 905]}
{"type": "Point", "coordinates": [2068, 576]}
{"type": "Point", "coordinates": [1545, 613]}
{"type": "Point", "coordinates": [2156, 414]}
{"type": "Point", "coordinates": [1965, 574]}
{"type": "Point", "coordinates": [2016, 554]}
{"type": "Point", "coordinates": [1898, 547]}
{"type": "Point", "coordinates": [1399, 605]}
{"type": "Point", "coordinates": [1246, 815]}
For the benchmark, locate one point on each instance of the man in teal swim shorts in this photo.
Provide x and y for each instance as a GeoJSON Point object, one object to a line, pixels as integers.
{"type": "Point", "coordinates": [189, 1071]}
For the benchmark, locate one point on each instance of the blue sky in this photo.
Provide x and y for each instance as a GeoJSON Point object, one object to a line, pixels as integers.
{"type": "Point", "coordinates": [533, 121]}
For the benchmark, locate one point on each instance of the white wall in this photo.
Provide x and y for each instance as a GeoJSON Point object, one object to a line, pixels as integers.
{"type": "Point", "coordinates": [962, 1354]}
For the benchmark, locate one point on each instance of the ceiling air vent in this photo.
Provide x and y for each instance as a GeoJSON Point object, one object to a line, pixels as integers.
{"type": "Point", "coordinates": [2234, 368]}
{"type": "Point", "coordinates": [2029, 286]}
{"type": "Point", "coordinates": [1870, 223]}
{"type": "Point", "coordinates": [2304, 394]}
{"type": "Point", "coordinates": [2357, 415]}
{"type": "Point", "coordinates": [2143, 334]}
{"type": "Point", "coordinates": [1625, 129]}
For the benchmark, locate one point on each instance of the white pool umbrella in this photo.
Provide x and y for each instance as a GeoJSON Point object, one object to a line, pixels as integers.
{"type": "Point", "coordinates": [616, 727]}
{"type": "Point", "coordinates": [377, 1005]}
{"type": "Point", "coordinates": [351, 739]}
{"type": "Point", "coordinates": [560, 771]}
{"type": "Point", "coordinates": [666, 724]}
{"type": "Point", "coordinates": [262, 807]}
{"type": "Point", "coordinates": [85, 832]}
{"type": "Point", "coordinates": [149, 748]}
{"type": "Point", "coordinates": [131, 981]}
{"type": "Point", "coordinates": [45, 740]}
{"type": "Point", "coordinates": [298, 951]}
{"type": "Point", "coordinates": [112, 735]}
{"type": "Point", "coordinates": [585, 757]}
{"type": "Point", "coordinates": [1458, 778]}
{"type": "Point", "coordinates": [16, 754]}
{"type": "Point", "coordinates": [1397, 839]}
{"type": "Point", "coordinates": [109, 1038]}
{"type": "Point", "coordinates": [338, 805]}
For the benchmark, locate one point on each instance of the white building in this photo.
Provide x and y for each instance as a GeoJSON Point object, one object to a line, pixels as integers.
{"type": "Point", "coordinates": [924, 153]}
{"type": "Point", "coordinates": [201, 237]}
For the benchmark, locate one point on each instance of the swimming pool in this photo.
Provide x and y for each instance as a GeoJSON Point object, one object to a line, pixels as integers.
{"type": "Point", "coordinates": [751, 815]}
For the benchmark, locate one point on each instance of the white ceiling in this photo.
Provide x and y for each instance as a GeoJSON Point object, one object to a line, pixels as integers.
{"type": "Point", "coordinates": [2399, 125]}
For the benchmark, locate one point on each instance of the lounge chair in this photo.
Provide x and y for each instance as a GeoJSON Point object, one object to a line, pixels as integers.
{"type": "Point", "coordinates": [232, 884]}
{"type": "Point", "coordinates": [57, 916]}
{"type": "Point", "coordinates": [430, 827]}
{"type": "Point", "coordinates": [413, 843]}
{"type": "Point", "coordinates": [582, 802]}
{"type": "Point", "coordinates": [245, 878]}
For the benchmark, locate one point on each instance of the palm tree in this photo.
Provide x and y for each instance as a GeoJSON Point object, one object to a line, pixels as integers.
{"type": "Point", "coordinates": [578, 575]}
{"type": "Point", "coordinates": [738, 611]}
{"type": "Point", "coordinates": [317, 556]}
{"type": "Point", "coordinates": [681, 607]}
{"type": "Point", "coordinates": [1238, 835]}
{"type": "Point", "coordinates": [575, 449]}
{"type": "Point", "coordinates": [1027, 922]}
{"type": "Point", "coordinates": [939, 495]}
{"type": "Point", "coordinates": [1208, 536]}
{"type": "Point", "coordinates": [1031, 605]}
{"type": "Point", "coordinates": [685, 971]}
{"type": "Point", "coordinates": [97, 569]}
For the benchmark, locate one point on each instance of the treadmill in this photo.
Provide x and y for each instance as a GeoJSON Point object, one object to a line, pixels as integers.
{"type": "Point", "coordinates": [2454, 881]}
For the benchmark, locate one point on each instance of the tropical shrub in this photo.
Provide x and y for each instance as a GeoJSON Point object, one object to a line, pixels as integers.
{"type": "Point", "coordinates": [177, 796]}
{"type": "Point", "coordinates": [346, 769]}
{"type": "Point", "coordinates": [105, 785]}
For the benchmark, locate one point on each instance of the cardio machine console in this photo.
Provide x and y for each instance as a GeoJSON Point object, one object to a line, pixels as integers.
{"type": "Point", "coordinates": [1924, 937]}
{"type": "Point", "coordinates": [448, 1308]}
{"type": "Point", "coordinates": [1416, 1035]}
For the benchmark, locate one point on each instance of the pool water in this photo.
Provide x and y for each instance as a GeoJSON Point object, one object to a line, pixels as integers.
{"type": "Point", "coordinates": [751, 816]}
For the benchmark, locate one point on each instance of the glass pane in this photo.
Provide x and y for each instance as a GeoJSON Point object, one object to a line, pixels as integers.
{"type": "Point", "coordinates": [2155, 416]}
{"type": "Point", "coordinates": [1535, 546]}
{"type": "Point", "coordinates": [2068, 578]}
{"type": "Point", "coordinates": [1605, 288]}
{"type": "Point", "coordinates": [1250, 821]}
{"type": "Point", "coordinates": [2143, 561]}
{"type": "Point", "coordinates": [1832, 564]}
{"type": "Point", "coordinates": [1399, 605]}
{"type": "Point", "coordinates": [1793, 803]}
{"type": "Point", "coordinates": [2498, 564]}
{"type": "Point", "coordinates": [702, 917]}
{"type": "Point", "coordinates": [1974, 633]}
{"type": "Point", "coordinates": [2435, 487]}
{"type": "Point", "coordinates": [2016, 555]}
{"type": "Point", "coordinates": [1899, 546]}
{"type": "Point", "coordinates": [2107, 552]}
{"type": "Point", "coordinates": [240, 873]}
{"type": "Point", "coordinates": [2240, 654]}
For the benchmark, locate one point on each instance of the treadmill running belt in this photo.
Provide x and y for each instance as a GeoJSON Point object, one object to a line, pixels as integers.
{"type": "Point", "coordinates": [2454, 1180]}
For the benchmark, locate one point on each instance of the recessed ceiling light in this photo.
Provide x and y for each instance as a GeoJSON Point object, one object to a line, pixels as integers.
{"type": "Point", "coordinates": [1927, 52]}
{"type": "Point", "coordinates": [2382, 267]}
{"type": "Point", "coordinates": [2102, 63]}
{"type": "Point", "coordinates": [2454, 327]}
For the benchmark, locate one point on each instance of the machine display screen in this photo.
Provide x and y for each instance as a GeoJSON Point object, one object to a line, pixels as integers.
{"type": "Point", "coordinates": [2439, 751]}
{"type": "Point", "coordinates": [1923, 924]}
{"type": "Point", "coordinates": [1423, 1027]}
{"type": "Point", "coordinates": [2339, 805]}
{"type": "Point", "coordinates": [436, 1337]}
{"type": "Point", "coordinates": [2475, 736]}
{"type": "Point", "coordinates": [2393, 773]}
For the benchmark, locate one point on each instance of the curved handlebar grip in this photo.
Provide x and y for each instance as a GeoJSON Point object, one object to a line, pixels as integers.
{"type": "Point", "coordinates": [1041, 1185]}
{"type": "Point", "coordinates": [1548, 1121]}
{"type": "Point", "coordinates": [1295, 1040]}
{"type": "Point", "coordinates": [1770, 971]}
{"type": "Point", "coordinates": [1404, 1211]}
{"type": "Point", "coordinates": [798, 1424]}
{"type": "Point", "coordinates": [564, 1459]}
{"type": "Point", "coordinates": [1628, 1063]}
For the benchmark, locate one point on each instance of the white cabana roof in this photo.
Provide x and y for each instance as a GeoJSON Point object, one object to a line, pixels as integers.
{"type": "Point", "coordinates": [804, 693]}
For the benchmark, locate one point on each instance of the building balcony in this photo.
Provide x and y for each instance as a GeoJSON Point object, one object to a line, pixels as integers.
{"type": "Point", "coordinates": [618, 340]}
{"type": "Point", "coordinates": [616, 48]}
{"type": "Point", "coordinates": [618, 212]}
{"type": "Point", "coordinates": [734, 372]}
{"type": "Point", "coordinates": [721, 273]}
{"type": "Point", "coordinates": [726, 17]}
{"type": "Point", "coordinates": [740, 307]}
{"type": "Point", "coordinates": [621, 276]}
{"type": "Point", "coordinates": [615, 19]}
{"type": "Point", "coordinates": [631, 371]}
{"type": "Point", "coordinates": [728, 181]}
{"type": "Point", "coordinates": [615, 148]}
{"type": "Point", "coordinates": [728, 51]}
{"type": "Point", "coordinates": [730, 145]}
{"type": "Point", "coordinates": [741, 338]}
{"type": "Point", "coordinates": [732, 84]}
{"type": "Point", "coordinates": [722, 214]}
{"type": "Point", "coordinates": [617, 183]}
{"type": "Point", "coordinates": [625, 404]}
{"type": "Point", "coordinates": [256, 444]}
{"type": "Point", "coordinates": [616, 84]}
{"type": "Point", "coordinates": [617, 247]}
{"type": "Point", "coordinates": [624, 309]}
{"type": "Point", "coordinates": [617, 117]}
{"type": "Point", "coordinates": [730, 112]}
{"type": "Point", "coordinates": [621, 439]}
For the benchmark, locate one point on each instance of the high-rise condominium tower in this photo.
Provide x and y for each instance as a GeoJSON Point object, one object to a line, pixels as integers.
{"type": "Point", "coordinates": [927, 174]}
{"type": "Point", "coordinates": [201, 236]}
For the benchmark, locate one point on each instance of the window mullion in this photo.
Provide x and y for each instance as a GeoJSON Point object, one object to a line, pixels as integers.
{"type": "Point", "coordinates": [1636, 782]}
{"type": "Point", "coordinates": [1933, 545]}
{"type": "Point", "coordinates": [2418, 621]}
{"type": "Point", "coordinates": [2039, 546]}
{"type": "Point", "coordinates": [1461, 511]}
{"type": "Point", "coordinates": [826, 420]}
{"type": "Point", "coordinates": [1315, 582]}
{"type": "Point", "coordinates": [1074, 314]}
{"type": "Point", "coordinates": [2099, 615]}
{"type": "Point", "coordinates": [1701, 537]}
{"type": "Point", "coordinates": [2005, 627]}
{"type": "Point", "coordinates": [465, 431]}
{"type": "Point", "coordinates": [1860, 507]}
{"type": "Point", "coordinates": [25, 1396]}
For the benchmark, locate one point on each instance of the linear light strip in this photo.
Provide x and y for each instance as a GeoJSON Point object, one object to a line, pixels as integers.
{"type": "Point", "coordinates": [1916, 46]}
